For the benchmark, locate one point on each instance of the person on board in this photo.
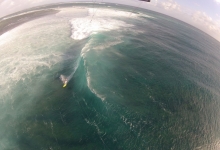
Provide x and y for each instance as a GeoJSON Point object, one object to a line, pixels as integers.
{"type": "Point", "coordinates": [65, 83]}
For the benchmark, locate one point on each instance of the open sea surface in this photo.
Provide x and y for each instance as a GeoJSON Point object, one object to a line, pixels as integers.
{"type": "Point", "coordinates": [136, 81]}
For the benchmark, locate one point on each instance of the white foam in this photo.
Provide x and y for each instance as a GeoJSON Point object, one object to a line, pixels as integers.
{"type": "Point", "coordinates": [92, 89]}
{"type": "Point", "coordinates": [13, 68]}
{"type": "Point", "coordinates": [84, 27]}
{"type": "Point", "coordinates": [144, 15]}
{"type": "Point", "coordinates": [91, 44]}
{"type": "Point", "coordinates": [25, 49]}
{"type": "Point", "coordinates": [99, 20]}
{"type": "Point", "coordinates": [108, 44]}
{"type": "Point", "coordinates": [85, 49]}
{"type": "Point", "coordinates": [100, 46]}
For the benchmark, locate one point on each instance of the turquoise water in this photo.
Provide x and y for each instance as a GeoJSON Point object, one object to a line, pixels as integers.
{"type": "Point", "coordinates": [152, 83]}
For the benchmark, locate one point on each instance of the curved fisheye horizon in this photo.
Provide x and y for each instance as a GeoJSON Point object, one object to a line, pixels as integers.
{"type": "Point", "coordinates": [204, 15]}
{"type": "Point", "coordinates": [109, 75]}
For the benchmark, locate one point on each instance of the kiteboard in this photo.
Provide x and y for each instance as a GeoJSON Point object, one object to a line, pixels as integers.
{"type": "Point", "coordinates": [64, 80]}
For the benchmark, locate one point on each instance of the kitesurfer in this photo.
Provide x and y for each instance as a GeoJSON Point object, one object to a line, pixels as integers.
{"type": "Point", "coordinates": [65, 83]}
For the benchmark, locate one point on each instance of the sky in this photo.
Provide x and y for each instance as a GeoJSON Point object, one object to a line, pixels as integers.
{"type": "Point", "coordinates": [203, 14]}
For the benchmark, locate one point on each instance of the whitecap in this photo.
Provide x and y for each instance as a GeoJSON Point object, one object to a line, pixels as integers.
{"type": "Point", "coordinates": [99, 20]}
{"type": "Point", "coordinates": [84, 27]}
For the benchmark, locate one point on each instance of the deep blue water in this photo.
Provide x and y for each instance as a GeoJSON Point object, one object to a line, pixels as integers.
{"type": "Point", "coordinates": [154, 85]}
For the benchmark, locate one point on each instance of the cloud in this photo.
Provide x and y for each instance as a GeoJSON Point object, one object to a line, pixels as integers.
{"type": "Point", "coordinates": [217, 1]}
{"type": "Point", "coordinates": [207, 24]}
{"type": "Point", "coordinates": [198, 19]}
{"type": "Point", "coordinates": [171, 5]}
{"type": "Point", "coordinates": [202, 18]}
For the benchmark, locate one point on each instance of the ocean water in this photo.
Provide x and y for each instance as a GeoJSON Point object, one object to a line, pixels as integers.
{"type": "Point", "coordinates": [136, 80]}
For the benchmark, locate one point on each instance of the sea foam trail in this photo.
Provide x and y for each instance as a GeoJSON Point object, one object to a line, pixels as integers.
{"type": "Point", "coordinates": [68, 78]}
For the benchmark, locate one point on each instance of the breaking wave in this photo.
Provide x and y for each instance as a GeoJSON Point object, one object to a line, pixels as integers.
{"type": "Point", "coordinates": [94, 23]}
{"type": "Point", "coordinates": [84, 27]}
